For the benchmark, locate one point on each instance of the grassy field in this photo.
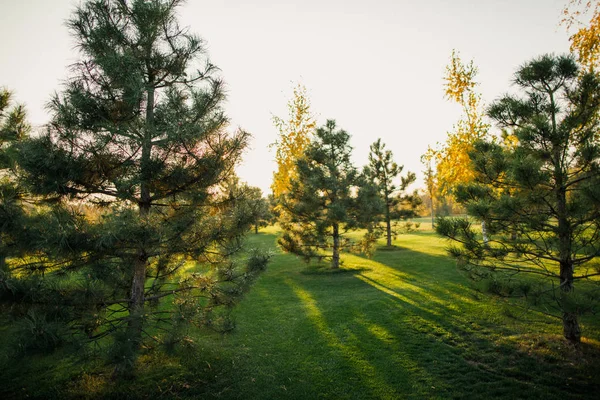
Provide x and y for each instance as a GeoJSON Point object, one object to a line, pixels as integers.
{"type": "Point", "coordinates": [404, 324]}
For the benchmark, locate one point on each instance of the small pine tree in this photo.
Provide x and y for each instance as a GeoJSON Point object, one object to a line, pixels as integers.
{"type": "Point", "coordinates": [327, 199]}
{"type": "Point", "coordinates": [382, 170]}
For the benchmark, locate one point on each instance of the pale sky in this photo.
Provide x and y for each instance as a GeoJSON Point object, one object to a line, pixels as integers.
{"type": "Point", "coordinates": [375, 66]}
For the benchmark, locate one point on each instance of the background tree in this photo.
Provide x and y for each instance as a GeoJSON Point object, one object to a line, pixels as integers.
{"type": "Point", "coordinates": [294, 137]}
{"type": "Point", "coordinates": [546, 189]}
{"type": "Point", "coordinates": [323, 202]}
{"type": "Point", "coordinates": [260, 209]}
{"type": "Point", "coordinates": [382, 170]}
{"type": "Point", "coordinates": [428, 160]}
{"type": "Point", "coordinates": [252, 200]}
{"type": "Point", "coordinates": [139, 132]}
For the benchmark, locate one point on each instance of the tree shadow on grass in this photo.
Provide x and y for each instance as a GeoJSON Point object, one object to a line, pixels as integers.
{"type": "Point", "coordinates": [400, 325]}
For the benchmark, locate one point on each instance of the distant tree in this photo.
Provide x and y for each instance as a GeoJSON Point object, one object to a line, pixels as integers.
{"type": "Point", "coordinates": [541, 196]}
{"type": "Point", "coordinates": [327, 199]}
{"type": "Point", "coordinates": [294, 137]}
{"type": "Point", "coordinates": [430, 180]}
{"type": "Point", "coordinates": [382, 171]}
{"type": "Point", "coordinates": [13, 128]}
{"type": "Point", "coordinates": [259, 208]}
{"type": "Point", "coordinates": [138, 132]}
{"type": "Point", "coordinates": [252, 200]}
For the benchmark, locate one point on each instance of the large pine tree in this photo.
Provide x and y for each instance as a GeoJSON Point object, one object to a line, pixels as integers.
{"type": "Point", "coordinates": [135, 155]}
{"type": "Point", "coordinates": [541, 195]}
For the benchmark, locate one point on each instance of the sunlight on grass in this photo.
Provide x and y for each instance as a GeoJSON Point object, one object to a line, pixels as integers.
{"type": "Point", "coordinates": [366, 372]}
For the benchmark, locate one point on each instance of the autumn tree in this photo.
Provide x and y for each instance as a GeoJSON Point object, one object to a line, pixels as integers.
{"type": "Point", "coordinates": [453, 163]}
{"type": "Point", "coordinates": [139, 133]}
{"type": "Point", "coordinates": [327, 199]}
{"type": "Point", "coordinates": [585, 42]}
{"type": "Point", "coordinates": [382, 170]}
{"type": "Point", "coordinates": [541, 195]}
{"type": "Point", "coordinates": [295, 132]}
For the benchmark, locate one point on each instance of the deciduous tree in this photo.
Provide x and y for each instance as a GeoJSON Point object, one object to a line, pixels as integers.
{"type": "Point", "coordinates": [295, 133]}
{"type": "Point", "coordinates": [453, 163]}
{"type": "Point", "coordinates": [585, 42]}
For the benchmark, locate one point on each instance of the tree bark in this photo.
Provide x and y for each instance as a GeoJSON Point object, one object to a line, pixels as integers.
{"type": "Point", "coordinates": [388, 226]}
{"type": "Point", "coordinates": [484, 233]}
{"type": "Point", "coordinates": [432, 215]}
{"type": "Point", "coordinates": [335, 259]}
{"type": "Point", "coordinates": [571, 329]}
{"type": "Point", "coordinates": [138, 281]}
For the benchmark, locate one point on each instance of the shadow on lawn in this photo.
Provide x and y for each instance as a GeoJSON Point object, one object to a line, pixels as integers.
{"type": "Point", "coordinates": [403, 324]}
{"type": "Point", "coordinates": [411, 328]}
{"type": "Point", "coordinates": [400, 325]}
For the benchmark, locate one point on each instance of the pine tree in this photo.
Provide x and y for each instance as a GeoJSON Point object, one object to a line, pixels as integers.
{"type": "Point", "coordinates": [139, 137]}
{"type": "Point", "coordinates": [13, 128]}
{"type": "Point", "coordinates": [541, 195]}
{"type": "Point", "coordinates": [382, 170]}
{"type": "Point", "coordinates": [325, 202]}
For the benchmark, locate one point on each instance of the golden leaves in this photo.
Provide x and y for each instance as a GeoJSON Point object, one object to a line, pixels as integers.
{"type": "Point", "coordinates": [585, 43]}
{"type": "Point", "coordinates": [294, 137]}
{"type": "Point", "coordinates": [453, 162]}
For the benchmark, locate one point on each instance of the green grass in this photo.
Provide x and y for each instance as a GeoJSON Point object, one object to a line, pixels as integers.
{"type": "Point", "coordinates": [404, 324]}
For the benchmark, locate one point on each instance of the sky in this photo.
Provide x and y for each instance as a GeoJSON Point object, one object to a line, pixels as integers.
{"type": "Point", "coordinates": [376, 66]}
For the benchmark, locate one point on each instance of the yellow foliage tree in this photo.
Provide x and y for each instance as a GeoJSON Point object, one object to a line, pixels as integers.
{"type": "Point", "coordinates": [585, 42]}
{"type": "Point", "coordinates": [294, 136]}
{"type": "Point", "coordinates": [453, 163]}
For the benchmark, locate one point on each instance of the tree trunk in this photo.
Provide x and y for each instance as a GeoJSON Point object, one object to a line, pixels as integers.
{"type": "Point", "coordinates": [256, 228]}
{"type": "Point", "coordinates": [335, 259]}
{"type": "Point", "coordinates": [4, 266]}
{"type": "Point", "coordinates": [484, 233]}
{"type": "Point", "coordinates": [135, 323]}
{"type": "Point", "coordinates": [571, 328]}
{"type": "Point", "coordinates": [388, 224]}
{"type": "Point", "coordinates": [136, 307]}
{"type": "Point", "coordinates": [566, 275]}
{"type": "Point", "coordinates": [432, 215]}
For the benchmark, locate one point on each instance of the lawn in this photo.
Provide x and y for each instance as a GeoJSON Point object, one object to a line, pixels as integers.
{"type": "Point", "coordinates": [404, 324]}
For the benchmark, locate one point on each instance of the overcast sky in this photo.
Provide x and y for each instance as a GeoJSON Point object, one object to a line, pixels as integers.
{"type": "Point", "coordinates": [376, 66]}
